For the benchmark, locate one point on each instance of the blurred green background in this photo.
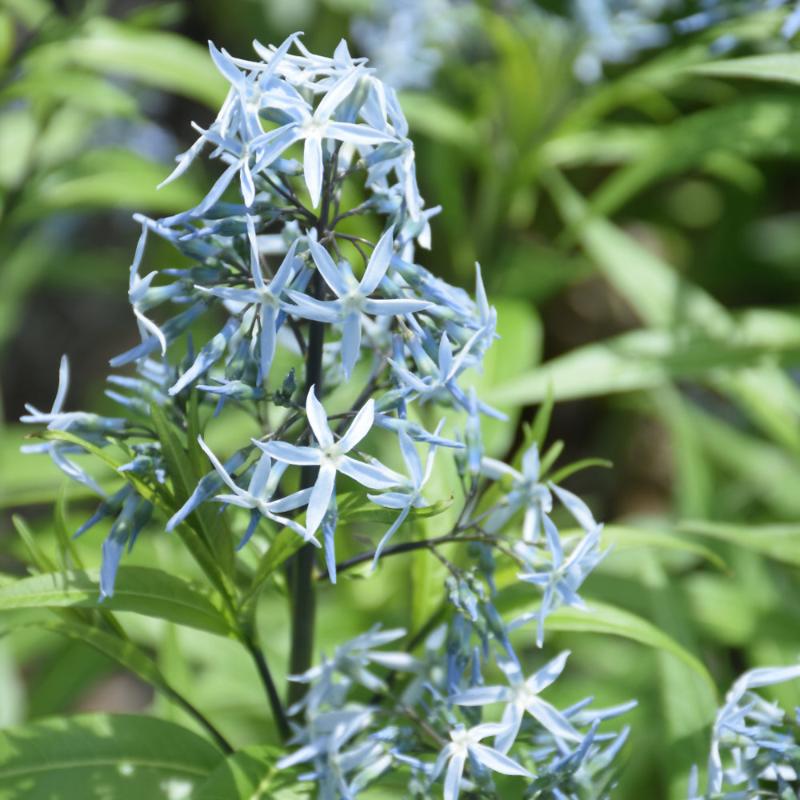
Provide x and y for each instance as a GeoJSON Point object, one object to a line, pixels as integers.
{"type": "Point", "coordinates": [639, 235]}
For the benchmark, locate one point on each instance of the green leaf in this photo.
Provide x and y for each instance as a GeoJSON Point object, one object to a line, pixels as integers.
{"type": "Point", "coordinates": [250, 774]}
{"type": "Point", "coordinates": [281, 549]}
{"type": "Point", "coordinates": [779, 542]}
{"type": "Point", "coordinates": [605, 619]}
{"type": "Point", "coordinates": [623, 537]}
{"type": "Point", "coordinates": [107, 178]}
{"type": "Point", "coordinates": [184, 477]}
{"type": "Point", "coordinates": [157, 58]}
{"type": "Point", "coordinates": [664, 299]}
{"type": "Point", "coordinates": [142, 590]}
{"type": "Point", "coordinates": [751, 128]}
{"type": "Point", "coordinates": [642, 359]}
{"type": "Point", "coordinates": [124, 757]}
{"type": "Point", "coordinates": [783, 67]}
{"type": "Point", "coordinates": [429, 116]}
{"type": "Point", "coordinates": [41, 561]}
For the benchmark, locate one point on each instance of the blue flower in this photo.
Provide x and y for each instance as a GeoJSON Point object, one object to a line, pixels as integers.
{"type": "Point", "coordinates": [408, 495]}
{"type": "Point", "coordinates": [520, 696]}
{"type": "Point", "coordinates": [353, 297]}
{"type": "Point", "coordinates": [464, 744]}
{"type": "Point", "coordinates": [258, 495]}
{"type": "Point", "coordinates": [266, 296]}
{"type": "Point", "coordinates": [561, 580]}
{"type": "Point", "coordinates": [311, 127]}
{"type": "Point", "coordinates": [331, 457]}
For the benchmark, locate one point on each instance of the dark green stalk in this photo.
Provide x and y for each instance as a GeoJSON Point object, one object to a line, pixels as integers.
{"type": "Point", "coordinates": [260, 660]}
{"type": "Point", "coordinates": [300, 572]}
{"type": "Point", "coordinates": [198, 715]}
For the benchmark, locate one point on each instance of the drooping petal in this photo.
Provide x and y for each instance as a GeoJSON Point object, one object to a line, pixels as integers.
{"type": "Point", "coordinates": [312, 168]}
{"type": "Point", "coordinates": [320, 497]}
{"type": "Point", "coordinates": [351, 342]}
{"type": "Point", "coordinates": [386, 538]}
{"type": "Point", "coordinates": [452, 780]}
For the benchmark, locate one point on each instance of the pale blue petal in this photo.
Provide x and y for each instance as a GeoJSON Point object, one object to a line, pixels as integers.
{"type": "Point", "coordinates": [290, 453]}
{"type": "Point", "coordinates": [320, 497]}
{"type": "Point", "coordinates": [369, 475]}
{"type": "Point", "coordinates": [379, 262]}
{"type": "Point", "coordinates": [359, 427]}
{"type": "Point", "coordinates": [330, 272]}
{"type": "Point", "coordinates": [356, 134]}
{"type": "Point", "coordinates": [497, 762]}
{"type": "Point", "coordinates": [351, 342]}
{"type": "Point", "coordinates": [452, 781]}
{"type": "Point", "coordinates": [312, 168]}
{"type": "Point", "coordinates": [318, 420]}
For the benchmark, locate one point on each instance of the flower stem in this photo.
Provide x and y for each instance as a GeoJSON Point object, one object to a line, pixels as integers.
{"type": "Point", "coordinates": [274, 699]}
{"type": "Point", "coordinates": [301, 567]}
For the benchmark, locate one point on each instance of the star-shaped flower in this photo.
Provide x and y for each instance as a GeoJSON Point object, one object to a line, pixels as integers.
{"type": "Point", "coordinates": [331, 457]}
{"type": "Point", "coordinates": [353, 298]}
{"type": "Point", "coordinates": [266, 296]}
{"type": "Point", "coordinates": [258, 495]}
{"type": "Point", "coordinates": [520, 696]}
{"type": "Point", "coordinates": [465, 743]}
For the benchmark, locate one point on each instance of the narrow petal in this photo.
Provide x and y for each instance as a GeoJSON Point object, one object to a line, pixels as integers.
{"type": "Point", "coordinates": [255, 262]}
{"type": "Point", "coordinates": [320, 497]}
{"type": "Point", "coordinates": [356, 134]}
{"type": "Point", "coordinates": [260, 476]}
{"type": "Point", "coordinates": [318, 419]}
{"type": "Point", "coordinates": [378, 262]}
{"type": "Point", "coordinates": [497, 762]}
{"type": "Point", "coordinates": [481, 696]}
{"type": "Point", "coordinates": [246, 183]}
{"type": "Point", "coordinates": [312, 168]}
{"type": "Point", "coordinates": [552, 719]}
{"type": "Point", "coordinates": [267, 341]}
{"type": "Point", "coordinates": [386, 538]}
{"type": "Point", "coordinates": [394, 307]}
{"type": "Point", "coordinates": [359, 427]}
{"type": "Point", "coordinates": [290, 453]}
{"type": "Point", "coordinates": [351, 343]}
{"type": "Point", "coordinates": [452, 780]}
{"type": "Point", "coordinates": [369, 475]}
{"type": "Point", "coordinates": [336, 94]}
{"type": "Point", "coordinates": [285, 271]}
{"type": "Point", "coordinates": [221, 471]}
{"type": "Point", "coordinates": [328, 269]}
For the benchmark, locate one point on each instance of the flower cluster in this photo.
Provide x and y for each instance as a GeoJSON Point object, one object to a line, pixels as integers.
{"type": "Point", "coordinates": [303, 256]}
{"type": "Point", "coordinates": [755, 745]}
{"type": "Point", "coordinates": [618, 31]}
{"type": "Point", "coordinates": [407, 42]}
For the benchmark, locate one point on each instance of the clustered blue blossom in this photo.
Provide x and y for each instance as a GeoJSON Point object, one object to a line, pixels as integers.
{"type": "Point", "coordinates": [302, 306]}
{"type": "Point", "coordinates": [755, 744]}
{"type": "Point", "coordinates": [407, 41]}
{"type": "Point", "coordinates": [619, 31]}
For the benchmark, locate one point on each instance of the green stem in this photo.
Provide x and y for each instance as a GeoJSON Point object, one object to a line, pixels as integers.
{"type": "Point", "coordinates": [198, 715]}
{"type": "Point", "coordinates": [300, 572]}
{"type": "Point", "coordinates": [260, 660]}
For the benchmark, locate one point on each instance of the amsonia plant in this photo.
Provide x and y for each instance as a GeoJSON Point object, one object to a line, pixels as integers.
{"type": "Point", "coordinates": [350, 363]}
